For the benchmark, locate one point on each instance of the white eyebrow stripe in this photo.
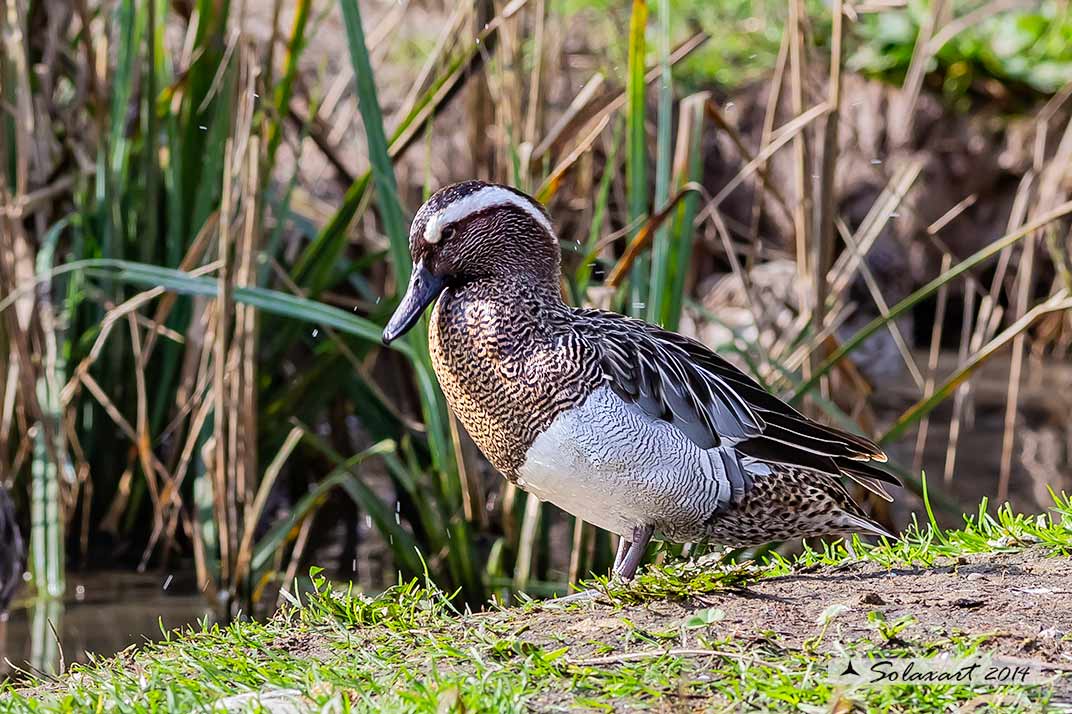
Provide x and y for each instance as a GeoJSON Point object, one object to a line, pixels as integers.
{"type": "Point", "coordinates": [477, 201]}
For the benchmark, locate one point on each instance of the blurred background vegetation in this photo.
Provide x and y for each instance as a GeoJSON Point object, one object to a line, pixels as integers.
{"type": "Point", "coordinates": [204, 215]}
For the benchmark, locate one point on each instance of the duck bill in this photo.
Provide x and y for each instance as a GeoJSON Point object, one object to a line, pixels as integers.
{"type": "Point", "coordinates": [424, 288]}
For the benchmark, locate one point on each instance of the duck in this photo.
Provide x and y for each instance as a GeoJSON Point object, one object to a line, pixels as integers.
{"type": "Point", "coordinates": [640, 431]}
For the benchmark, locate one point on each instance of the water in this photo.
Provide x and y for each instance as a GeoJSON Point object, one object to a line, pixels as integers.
{"type": "Point", "coordinates": [105, 613]}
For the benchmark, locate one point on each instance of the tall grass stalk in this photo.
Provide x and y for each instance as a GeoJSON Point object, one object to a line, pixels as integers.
{"type": "Point", "coordinates": [688, 171]}
{"type": "Point", "coordinates": [636, 156]}
{"type": "Point", "coordinates": [51, 462]}
{"type": "Point", "coordinates": [660, 250]}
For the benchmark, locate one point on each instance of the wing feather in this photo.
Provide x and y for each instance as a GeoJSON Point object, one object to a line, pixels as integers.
{"type": "Point", "coordinates": [678, 380]}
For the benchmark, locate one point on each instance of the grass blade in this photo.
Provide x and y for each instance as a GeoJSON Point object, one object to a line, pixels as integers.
{"type": "Point", "coordinates": [660, 254]}
{"type": "Point", "coordinates": [688, 168]}
{"type": "Point", "coordinates": [402, 545]}
{"type": "Point", "coordinates": [383, 173]}
{"type": "Point", "coordinates": [636, 156]}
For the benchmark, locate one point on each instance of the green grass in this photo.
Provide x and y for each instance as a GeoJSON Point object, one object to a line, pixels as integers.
{"type": "Point", "coordinates": [1003, 532]}
{"type": "Point", "coordinates": [410, 650]}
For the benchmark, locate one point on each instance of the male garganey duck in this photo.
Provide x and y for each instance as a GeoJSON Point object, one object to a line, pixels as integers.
{"type": "Point", "coordinates": [627, 426]}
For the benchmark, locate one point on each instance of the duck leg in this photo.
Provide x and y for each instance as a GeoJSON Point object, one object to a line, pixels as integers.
{"type": "Point", "coordinates": [627, 567]}
{"type": "Point", "coordinates": [623, 548]}
{"type": "Point", "coordinates": [591, 594]}
{"type": "Point", "coordinates": [626, 562]}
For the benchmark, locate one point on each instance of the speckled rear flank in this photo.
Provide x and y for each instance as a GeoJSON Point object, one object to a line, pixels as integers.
{"type": "Point", "coordinates": [789, 504]}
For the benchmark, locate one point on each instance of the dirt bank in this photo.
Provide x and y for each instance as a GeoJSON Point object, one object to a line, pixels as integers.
{"type": "Point", "coordinates": [750, 647]}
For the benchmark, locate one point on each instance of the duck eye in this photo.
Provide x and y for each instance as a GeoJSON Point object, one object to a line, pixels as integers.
{"type": "Point", "coordinates": [447, 233]}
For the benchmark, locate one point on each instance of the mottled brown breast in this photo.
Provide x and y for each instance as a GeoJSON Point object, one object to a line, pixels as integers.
{"type": "Point", "coordinates": [509, 363]}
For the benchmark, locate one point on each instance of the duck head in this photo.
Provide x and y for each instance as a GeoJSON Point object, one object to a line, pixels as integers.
{"type": "Point", "coordinates": [473, 231]}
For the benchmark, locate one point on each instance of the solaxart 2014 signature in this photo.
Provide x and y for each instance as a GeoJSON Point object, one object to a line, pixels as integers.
{"type": "Point", "coordinates": [934, 671]}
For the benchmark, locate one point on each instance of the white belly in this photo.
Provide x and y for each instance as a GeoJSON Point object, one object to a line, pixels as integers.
{"type": "Point", "coordinates": [608, 463]}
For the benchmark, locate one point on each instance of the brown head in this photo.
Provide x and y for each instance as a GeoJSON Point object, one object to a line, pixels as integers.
{"type": "Point", "coordinates": [473, 231]}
